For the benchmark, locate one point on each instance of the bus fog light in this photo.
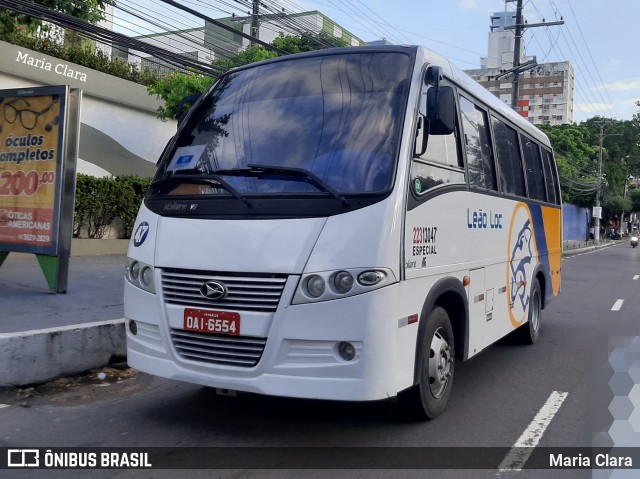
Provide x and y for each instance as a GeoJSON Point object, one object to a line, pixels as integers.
{"type": "Point", "coordinates": [347, 350]}
{"type": "Point", "coordinates": [315, 286]}
{"type": "Point", "coordinates": [133, 327]}
{"type": "Point", "coordinates": [371, 278]}
{"type": "Point", "coordinates": [343, 282]}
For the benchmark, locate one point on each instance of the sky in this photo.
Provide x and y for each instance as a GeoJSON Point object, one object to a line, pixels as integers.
{"type": "Point", "coordinates": [600, 39]}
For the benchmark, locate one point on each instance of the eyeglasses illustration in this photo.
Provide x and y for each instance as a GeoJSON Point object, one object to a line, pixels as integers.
{"type": "Point", "coordinates": [28, 117]}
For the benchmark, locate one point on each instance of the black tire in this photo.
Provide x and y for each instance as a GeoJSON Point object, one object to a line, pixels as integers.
{"type": "Point", "coordinates": [436, 365]}
{"type": "Point", "coordinates": [530, 332]}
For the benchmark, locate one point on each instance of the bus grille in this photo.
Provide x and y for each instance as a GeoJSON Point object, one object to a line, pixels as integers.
{"type": "Point", "coordinates": [240, 351]}
{"type": "Point", "coordinates": [246, 292]}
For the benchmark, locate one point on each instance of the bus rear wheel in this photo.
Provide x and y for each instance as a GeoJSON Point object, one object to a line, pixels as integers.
{"type": "Point", "coordinates": [436, 366]}
{"type": "Point", "coordinates": [530, 332]}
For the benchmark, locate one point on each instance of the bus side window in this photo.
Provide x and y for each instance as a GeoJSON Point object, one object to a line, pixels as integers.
{"type": "Point", "coordinates": [475, 127]}
{"type": "Point", "coordinates": [440, 164]}
{"type": "Point", "coordinates": [440, 148]}
{"type": "Point", "coordinates": [549, 176]}
{"type": "Point", "coordinates": [509, 162]}
{"type": "Point", "coordinates": [533, 169]}
{"type": "Point", "coordinates": [425, 176]}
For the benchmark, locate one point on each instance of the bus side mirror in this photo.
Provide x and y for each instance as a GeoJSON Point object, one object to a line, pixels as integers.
{"type": "Point", "coordinates": [441, 110]}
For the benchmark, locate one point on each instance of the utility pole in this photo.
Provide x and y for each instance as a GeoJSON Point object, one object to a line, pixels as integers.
{"type": "Point", "coordinates": [255, 26]}
{"type": "Point", "coordinates": [626, 178]}
{"type": "Point", "coordinates": [517, 47]}
{"type": "Point", "coordinates": [624, 195]}
{"type": "Point", "coordinates": [596, 225]}
{"type": "Point", "coordinates": [518, 68]}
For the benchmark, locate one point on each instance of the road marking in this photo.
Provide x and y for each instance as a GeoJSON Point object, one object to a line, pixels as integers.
{"type": "Point", "coordinates": [636, 277]}
{"type": "Point", "coordinates": [4, 405]}
{"type": "Point", "coordinates": [617, 305]}
{"type": "Point", "coordinates": [522, 449]}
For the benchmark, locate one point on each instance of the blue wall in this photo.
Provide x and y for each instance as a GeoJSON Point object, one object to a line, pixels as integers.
{"type": "Point", "coordinates": [575, 222]}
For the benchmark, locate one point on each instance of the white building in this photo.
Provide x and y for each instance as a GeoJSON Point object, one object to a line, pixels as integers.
{"type": "Point", "coordinates": [210, 42]}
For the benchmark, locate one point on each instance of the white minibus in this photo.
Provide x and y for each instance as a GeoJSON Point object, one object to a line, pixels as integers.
{"type": "Point", "coordinates": [343, 224]}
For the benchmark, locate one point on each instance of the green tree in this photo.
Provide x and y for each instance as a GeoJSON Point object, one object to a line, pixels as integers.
{"type": "Point", "coordinates": [620, 138]}
{"type": "Point", "coordinates": [173, 88]}
{"type": "Point", "coordinates": [616, 205]}
{"type": "Point", "coordinates": [634, 197]}
{"type": "Point", "coordinates": [576, 159]}
{"type": "Point", "coordinates": [306, 43]}
{"type": "Point", "coordinates": [91, 11]}
{"type": "Point", "coordinates": [577, 149]}
{"type": "Point", "coordinates": [252, 54]}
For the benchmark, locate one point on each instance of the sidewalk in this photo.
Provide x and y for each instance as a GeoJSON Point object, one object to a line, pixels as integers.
{"type": "Point", "coordinates": [44, 336]}
{"type": "Point", "coordinates": [572, 247]}
{"type": "Point", "coordinates": [95, 293]}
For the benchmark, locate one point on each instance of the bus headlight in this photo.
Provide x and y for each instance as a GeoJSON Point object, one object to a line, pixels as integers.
{"type": "Point", "coordinates": [328, 285]}
{"type": "Point", "coordinates": [315, 286]}
{"type": "Point", "coordinates": [343, 282]}
{"type": "Point", "coordinates": [134, 270]}
{"type": "Point", "coordinates": [140, 275]}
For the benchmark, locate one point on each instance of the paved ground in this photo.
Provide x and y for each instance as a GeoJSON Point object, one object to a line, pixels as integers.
{"type": "Point", "coordinates": [95, 290]}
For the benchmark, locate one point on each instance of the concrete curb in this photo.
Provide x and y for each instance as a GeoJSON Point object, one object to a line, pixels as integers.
{"type": "Point", "coordinates": [572, 252]}
{"type": "Point", "coordinates": [45, 354]}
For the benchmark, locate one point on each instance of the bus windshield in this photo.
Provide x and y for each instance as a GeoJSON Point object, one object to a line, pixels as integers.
{"type": "Point", "coordinates": [322, 124]}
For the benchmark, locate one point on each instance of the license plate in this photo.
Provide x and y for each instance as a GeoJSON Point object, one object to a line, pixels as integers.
{"type": "Point", "coordinates": [211, 322]}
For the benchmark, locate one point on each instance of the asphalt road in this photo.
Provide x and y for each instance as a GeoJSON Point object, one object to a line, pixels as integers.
{"type": "Point", "coordinates": [497, 400]}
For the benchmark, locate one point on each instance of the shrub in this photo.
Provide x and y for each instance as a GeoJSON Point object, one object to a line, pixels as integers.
{"type": "Point", "coordinates": [129, 204]}
{"type": "Point", "coordinates": [100, 200]}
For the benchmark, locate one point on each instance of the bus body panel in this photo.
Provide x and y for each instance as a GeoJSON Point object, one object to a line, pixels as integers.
{"type": "Point", "coordinates": [346, 240]}
{"type": "Point", "coordinates": [271, 246]}
{"type": "Point", "coordinates": [498, 242]}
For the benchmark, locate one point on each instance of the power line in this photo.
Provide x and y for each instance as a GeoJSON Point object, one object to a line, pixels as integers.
{"type": "Point", "coordinates": [107, 36]}
{"type": "Point", "coordinates": [589, 52]}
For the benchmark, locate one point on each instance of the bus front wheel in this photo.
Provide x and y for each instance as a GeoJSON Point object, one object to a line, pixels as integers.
{"type": "Point", "coordinates": [436, 366]}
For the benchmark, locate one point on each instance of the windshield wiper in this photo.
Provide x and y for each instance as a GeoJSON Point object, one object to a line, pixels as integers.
{"type": "Point", "coordinates": [211, 180]}
{"type": "Point", "coordinates": [258, 170]}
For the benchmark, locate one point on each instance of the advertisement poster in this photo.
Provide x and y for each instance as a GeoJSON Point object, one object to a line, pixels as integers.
{"type": "Point", "coordinates": [31, 168]}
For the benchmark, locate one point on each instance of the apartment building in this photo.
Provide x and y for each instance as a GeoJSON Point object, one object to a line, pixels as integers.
{"type": "Point", "coordinates": [545, 93]}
